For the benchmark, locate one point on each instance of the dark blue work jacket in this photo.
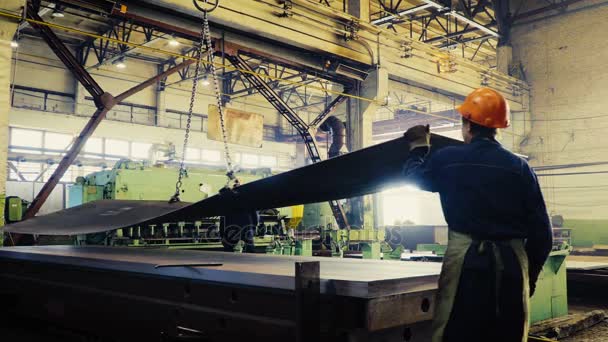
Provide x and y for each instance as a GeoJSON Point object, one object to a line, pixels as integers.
{"type": "Point", "coordinates": [487, 192]}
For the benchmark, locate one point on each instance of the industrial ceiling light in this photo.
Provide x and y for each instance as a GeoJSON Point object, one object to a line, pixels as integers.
{"type": "Point", "coordinates": [474, 23]}
{"type": "Point", "coordinates": [120, 63]}
{"type": "Point", "coordinates": [174, 42]}
{"type": "Point", "coordinates": [58, 12]}
{"type": "Point", "coordinates": [389, 18]}
{"type": "Point", "coordinates": [434, 4]}
{"type": "Point", "coordinates": [14, 44]}
{"type": "Point", "coordinates": [205, 81]}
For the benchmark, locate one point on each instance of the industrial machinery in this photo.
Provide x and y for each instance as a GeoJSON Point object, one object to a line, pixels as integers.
{"type": "Point", "coordinates": [155, 294]}
{"type": "Point", "coordinates": [14, 208]}
{"type": "Point", "coordinates": [353, 242]}
{"type": "Point", "coordinates": [130, 180]}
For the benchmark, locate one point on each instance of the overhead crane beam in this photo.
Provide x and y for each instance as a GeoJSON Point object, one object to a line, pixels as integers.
{"type": "Point", "coordinates": [328, 35]}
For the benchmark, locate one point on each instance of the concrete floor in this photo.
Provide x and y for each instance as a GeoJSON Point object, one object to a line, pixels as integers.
{"type": "Point", "coordinates": [597, 333]}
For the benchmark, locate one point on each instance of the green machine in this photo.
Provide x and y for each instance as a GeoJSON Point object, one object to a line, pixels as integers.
{"type": "Point", "coordinates": [14, 208]}
{"type": "Point", "coordinates": [551, 297]}
{"type": "Point", "coordinates": [367, 243]}
{"type": "Point", "coordinates": [267, 232]}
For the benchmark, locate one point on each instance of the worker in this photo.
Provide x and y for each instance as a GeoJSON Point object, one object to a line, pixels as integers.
{"type": "Point", "coordinates": [499, 230]}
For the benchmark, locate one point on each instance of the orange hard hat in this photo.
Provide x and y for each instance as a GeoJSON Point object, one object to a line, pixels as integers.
{"type": "Point", "coordinates": [486, 107]}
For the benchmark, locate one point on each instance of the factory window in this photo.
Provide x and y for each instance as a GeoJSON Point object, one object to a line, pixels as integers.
{"type": "Point", "coordinates": [26, 138]}
{"type": "Point", "coordinates": [248, 159]}
{"type": "Point", "coordinates": [93, 148]}
{"type": "Point", "coordinates": [140, 150]}
{"type": "Point", "coordinates": [193, 154]}
{"type": "Point", "coordinates": [56, 142]}
{"type": "Point", "coordinates": [67, 176]}
{"type": "Point", "coordinates": [118, 148]}
{"type": "Point", "coordinates": [29, 171]}
{"type": "Point", "coordinates": [212, 156]}
{"type": "Point", "coordinates": [268, 161]}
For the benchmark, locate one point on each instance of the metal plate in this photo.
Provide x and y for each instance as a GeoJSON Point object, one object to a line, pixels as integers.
{"type": "Point", "coordinates": [366, 171]}
{"type": "Point", "coordinates": [363, 172]}
{"type": "Point", "coordinates": [344, 277]}
{"type": "Point", "coordinates": [94, 217]}
{"type": "Point", "coordinates": [586, 262]}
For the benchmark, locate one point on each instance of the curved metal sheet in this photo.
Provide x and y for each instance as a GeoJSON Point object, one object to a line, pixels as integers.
{"type": "Point", "coordinates": [363, 172]}
{"type": "Point", "coordinates": [94, 217]}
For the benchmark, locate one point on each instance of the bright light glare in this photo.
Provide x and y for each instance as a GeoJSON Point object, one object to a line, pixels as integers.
{"type": "Point", "coordinates": [409, 204]}
{"type": "Point", "coordinates": [14, 44]}
{"type": "Point", "coordinates": [174, 42]}
{"type": "Point", "coordinates": [121, 65]}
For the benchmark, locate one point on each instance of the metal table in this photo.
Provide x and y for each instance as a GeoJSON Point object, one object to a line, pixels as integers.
{"type": "Point", "coordinates": [122, 292]}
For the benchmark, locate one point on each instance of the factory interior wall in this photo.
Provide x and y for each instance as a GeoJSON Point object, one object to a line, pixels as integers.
{"type": "Point", "coordinates": [562, 56]}
{"type": "Point", "coordinates": [7, 27]}
{"type": "Point", "coordinates": [62, 123]}
{"type": "Point", "coordinates": [39, 68]}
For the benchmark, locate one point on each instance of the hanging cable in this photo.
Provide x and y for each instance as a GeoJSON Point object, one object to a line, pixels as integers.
{"type": "Point", "coordinates": [182, 168]}
{"type": "Point", "coordinates": [207, 39]}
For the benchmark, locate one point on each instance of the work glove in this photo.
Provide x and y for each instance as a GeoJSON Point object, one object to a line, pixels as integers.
{"type": "Point", "coordinates": [418, 136]}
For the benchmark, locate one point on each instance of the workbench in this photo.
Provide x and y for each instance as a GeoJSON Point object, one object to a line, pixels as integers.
{"type": "Point", "coordinates": [148, 294]}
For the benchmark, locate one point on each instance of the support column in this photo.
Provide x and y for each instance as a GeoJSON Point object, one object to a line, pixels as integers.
{"type": "Point", "coordinates": [504, 58]}
{"type": "Point", "coordinates": [504, 51]}
{"type": "Point", "coordinates": [80, 107]}
{"type": "Point", "coordinates": [359, 9]}
{"type": "Point", "coordinates": [360, 118]}
{"type": "Point", "coordinates": [161, 107]}
{"type": "Point", "coordinates": [7, 31]}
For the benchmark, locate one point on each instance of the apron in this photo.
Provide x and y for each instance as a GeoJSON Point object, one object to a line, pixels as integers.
{"type": "Point", "coordinates": [458, 246]}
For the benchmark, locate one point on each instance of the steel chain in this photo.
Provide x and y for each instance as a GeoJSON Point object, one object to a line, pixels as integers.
{"type": "Point", "coordinates": [218, 95]}
{"type": "Point", "coordinates": [182, 167]}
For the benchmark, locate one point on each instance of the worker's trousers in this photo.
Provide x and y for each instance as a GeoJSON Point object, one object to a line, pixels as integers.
{"type": "Point", "coordinates": [483, 291]}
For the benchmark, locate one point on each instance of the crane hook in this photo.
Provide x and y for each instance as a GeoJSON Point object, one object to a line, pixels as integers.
{"type": "Point", "coordinates": [206, 6]}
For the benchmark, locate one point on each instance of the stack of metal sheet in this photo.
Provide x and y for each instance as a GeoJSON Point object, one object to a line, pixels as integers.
{"type": "Point", "coordinates": [143, 294]}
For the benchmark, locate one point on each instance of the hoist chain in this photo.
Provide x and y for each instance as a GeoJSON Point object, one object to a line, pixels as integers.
{"type": "Point", "coordinates": [218, 95]}
{"type": "Point", "coordinates": [182, 167]}
{"type": "Point", "coordinates": [205, 45]}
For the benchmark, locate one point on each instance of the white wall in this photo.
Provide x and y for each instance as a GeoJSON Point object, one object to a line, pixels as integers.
{"type": "Point", "coordinates": [564, 58]}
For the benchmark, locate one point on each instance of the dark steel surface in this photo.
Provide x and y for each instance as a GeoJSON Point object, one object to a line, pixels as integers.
{"type": "Point", "coordinates": [359, 173]}
{"type": "Point", "coordinates": [116, 294]}
{"type": "Point", "coordinates": [343, 277]}
{"type": "Point", "coordinates": [308, 301]}
{"type": "Point", "coordinates": [93, 217]}
{"type": "Point", "coordinates": [354, 174]}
